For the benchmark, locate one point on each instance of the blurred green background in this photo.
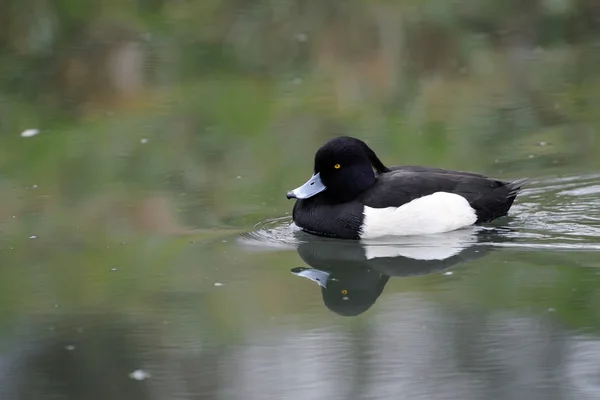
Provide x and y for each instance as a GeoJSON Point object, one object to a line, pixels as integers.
{"type": "Point", "coordinates": [168, 127]}
{"type": "Point", "coordinates": [221, 89]}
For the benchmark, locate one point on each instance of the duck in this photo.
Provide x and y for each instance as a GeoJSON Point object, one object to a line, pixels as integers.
{"type": "Point", "coordinates": [353, 195]}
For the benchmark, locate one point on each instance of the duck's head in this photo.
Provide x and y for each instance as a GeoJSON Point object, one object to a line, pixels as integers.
{"type": "Point", "coordinates": [343, 169]}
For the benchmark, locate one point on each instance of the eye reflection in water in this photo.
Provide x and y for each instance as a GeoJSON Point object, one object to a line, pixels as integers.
{"type": "Point", "coordinates": [352, 275]}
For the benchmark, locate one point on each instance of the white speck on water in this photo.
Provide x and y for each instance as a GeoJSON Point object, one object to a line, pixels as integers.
{"type": "Point", "coordinates": [448, 273]}
{"type": "Point", "coordinates": [238, 177]}
{"type": "Point", "coordinates": [30, 132]}
{"type": "Point", "coordinates": [224, 241]}
{"type": "Point", "coordinates": [70, 347]}
{"type": "Point", "coordinates": [33, 237]}
{"type": "Point", "coordinates": [114, 269]}
{"type": "Point", "coordinates": [551, 310]}
{"type": "Point", "coordinates": [531, 156]}
{"type": "Point", "coordinates": [144, 141]}
{"type": "Point", "coordinates": [35, 186]}
{"type": "Point", "coordinates": [301, 37]}
{"type": "Point", "coordinates": [218, 284]}
{"type": "Point", "coordinates": [543, 143]}
{"type": "Point", "coordinates": [56, 306]}
{"type": "Point", "coordinates": [345, 298]}
{"type": "Point", "coordinates": [139, 375]}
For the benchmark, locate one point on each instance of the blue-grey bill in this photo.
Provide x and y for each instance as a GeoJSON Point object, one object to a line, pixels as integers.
{"type": "Point", "coordinates": [315, 275]}
{"type": "Point", "coordinates": [309, 189]}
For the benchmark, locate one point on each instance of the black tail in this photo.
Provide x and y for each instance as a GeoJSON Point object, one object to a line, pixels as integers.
{"type": "Point", "coordinates": [515, 186]}
{"type": "Point", "coordinates": [496, 203]}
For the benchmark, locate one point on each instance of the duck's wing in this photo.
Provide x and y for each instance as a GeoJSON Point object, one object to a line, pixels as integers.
{"type": "Point", "coordinates": [415, 168]}
{"type": "Point", "coordinates": [491, 198]}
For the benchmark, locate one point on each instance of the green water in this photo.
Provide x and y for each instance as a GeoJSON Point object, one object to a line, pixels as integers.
{"type": "Point", "coordinates": [146, 244]}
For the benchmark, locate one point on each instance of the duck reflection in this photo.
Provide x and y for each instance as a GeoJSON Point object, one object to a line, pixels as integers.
{"type": "Point", "coordinates": [352, 275]}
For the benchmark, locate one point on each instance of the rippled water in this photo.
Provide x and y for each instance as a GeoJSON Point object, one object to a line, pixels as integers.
{"type": "Point", "coordinates": [561, 213]}
{"type": "Point", "coordinates": [505, 311]}
{"type": "Point", "coordinates": [487, 312]}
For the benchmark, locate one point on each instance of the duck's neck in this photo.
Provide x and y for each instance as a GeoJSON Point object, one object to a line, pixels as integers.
{"type": "Point", "coordinates": [376, 162]}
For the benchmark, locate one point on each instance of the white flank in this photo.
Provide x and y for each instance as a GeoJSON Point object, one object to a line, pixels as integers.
{"type": "Point", "coordinates": [423, 247]}
{"type": "Point", "coordinates": [436, 213]}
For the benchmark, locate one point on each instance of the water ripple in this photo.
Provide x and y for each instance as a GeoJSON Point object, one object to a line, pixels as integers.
{"type": "Point", "coordinates": [558, 213]}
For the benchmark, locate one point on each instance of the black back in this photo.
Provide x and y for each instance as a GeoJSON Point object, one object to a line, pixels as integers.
{"type": "Point", "coordinates": [491, 198]}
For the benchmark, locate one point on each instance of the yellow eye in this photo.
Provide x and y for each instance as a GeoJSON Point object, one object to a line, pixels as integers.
{"type": "Point", "coordinates": [344, 291]}
{"type": "Point", "coordinates": [337, 166]}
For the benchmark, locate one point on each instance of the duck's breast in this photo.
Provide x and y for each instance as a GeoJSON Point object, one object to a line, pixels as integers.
{"type": "Point", "coordinates": [335, 220]}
